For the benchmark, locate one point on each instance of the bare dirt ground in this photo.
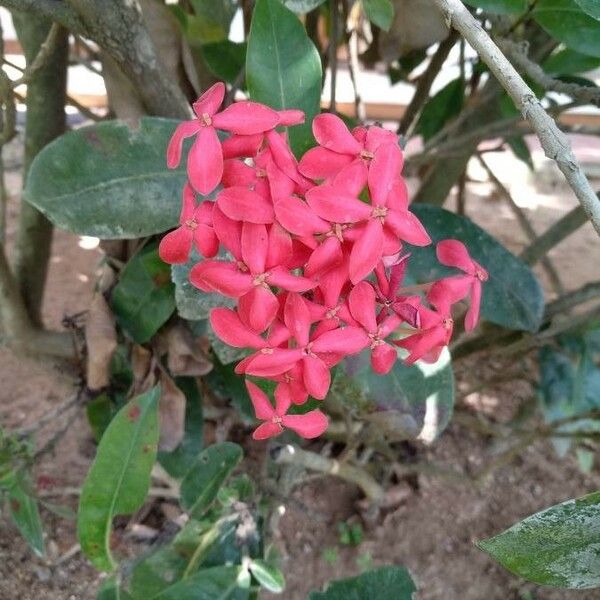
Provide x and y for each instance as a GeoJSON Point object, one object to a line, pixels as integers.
{"type": "Point", "coordinates": [432, 532]}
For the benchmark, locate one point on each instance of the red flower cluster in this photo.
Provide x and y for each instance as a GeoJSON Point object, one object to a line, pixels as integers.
{"type": "Point", "coordinates": [315, 252]}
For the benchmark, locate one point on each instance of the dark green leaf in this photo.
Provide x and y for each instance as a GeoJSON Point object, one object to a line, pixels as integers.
{"type": "Point", "coordinates": [441, 108]}
{"type": "Point", "coordinates": [557, 547]}
{"type": "Point", "coordinates": [217, 583]}
{"type": "Point", "coordinates": [100, 412]}
{"type": "Point", "coordinates": [520, 150]}
{"type": "Point", "coordinates": [110, 590]}
{"type": "Point", "coordinates": [591, 7]}
{"type": "Point", "coordinates": [302, 6]}
{"type": "Point", "coordinates": [109, 181]}
{"type": "Point", "coordinates": [25, 513]}
{"type": "Point", "coordinates": [156, 572]}
{"type": "Point", "coordinates": [500, 6]}
{"type": "Point", "coordinates": [380, 12]}
{"type": "Point", "coordinates": [178, 462]}
{"type": "Point", "coordinates": [201, 485]}
{"type": "Point", "coordinates": [221, 12]}
{"type": "Point", "coordinates": [269, 576]}
{"type": "Point", "coordinates": [384, 583]}
{"type": "Point", "coordinates": [569, 62]}
{"type": "Point", "coordinates": [512, 297]}
{"type": "Point", "coordinates": [225, 59]}
{"type": "Point", "coordinates": [118, 480]}
{"type": "Point", "coordinates": [409, 402]}
{"type": "Point", "coordinates": [192, 303]}
{"type": "Point", "coordinates": [564, 20]}
{"type": "Point", "coordinates": [230, 386]}
{"type": "Point", "coordinates": [283, 67]}
{"type": "Point", "coordinates": [144, 298]}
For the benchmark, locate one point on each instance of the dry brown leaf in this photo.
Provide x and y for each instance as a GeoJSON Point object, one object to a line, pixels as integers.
{"type": "Point", "coordinates": [186, 355]}
{"type": "Point", "coordinates": [417, 24]}
{"type": "Point", "coordinates": [142, 365]}
{"type": "Point", "coordinates": [101, 342]}
{"type": "Point", "coordinates": [171, 414]}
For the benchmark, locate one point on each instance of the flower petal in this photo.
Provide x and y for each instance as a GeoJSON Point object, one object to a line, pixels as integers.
{"type": "Point", "coordinates": [331, 132]}
{"type": "Point", "coordinates": [280, 247]}
{"type": "Point", "coordinates": [317, 377]}
{"type": "Point", "coordinates": [383, 358]}
{"type": "Point", "coordinates": [242, 204]}
{"type": "Point", "coordinates": [242, 146]}
{"type": "Point", "coordinates": [453, 253]}
{"type": "Point", "coordinates": [283, 400]}
{"type": "Point", "coordinates": [220, 276]}
{"type": "Point", "coordinates": [346, 341]}
{"type": "Point", "coordinates": [309, 425]}
{"type": "Point", "coordinates": [237, 172]}
{"type": "Point", "coordinates": [367, 251]}
{"type": "Point", "coordinates": [352, 178]}
{"type": "Point", "coordinates": [227, 325]}
{"type": "Point", "coordinates": [263, 409]}
{"type": "Point", "coordinates": [205, 161]}
{"type": "Point", "coordinates": [320, 163]}
{"type": "Point", "coordinates": [206, 241]}
{"type": "Point", "coordinates": [298, 218]}
{"type": "Point", "coordinates": [260, 307]}
{"type": "Point", "coordinates": [267, 430]}
{"type": "Point", "coordinates": [209, 102]}
{"type": "Point", "coordinates": [175, 247]}
{"type": "Point", "coordinates": [472, 316]}
{"type": "Point", "coordinates": [407, 227]}
{"type": "Point", "coordinates": [255, 244]}
{"type": "Point", "coordinates": [297, 319]}
{"type": "Point", "coordinates": [383, 171]}
{"type": "Point", "coordinates": [282, 278]}
{"type": "Point", "coordinates": [361, 302]}
{"type": "Point", "coordinates": [326, 255]}
{"type": "Point", "coordinates": [276, 362]}
{"type": "Point", "coordinates": [290, 117]}
{"type": "Point", "coordinates": [174, 149]}
{"type": "Point", "coordinates": [246, 118]}
{"type": "Point", "coordinates": [336, 205]}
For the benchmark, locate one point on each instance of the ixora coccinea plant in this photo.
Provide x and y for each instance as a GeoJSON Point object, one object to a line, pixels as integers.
{"type": "Point", "coordinates": [314, 252]}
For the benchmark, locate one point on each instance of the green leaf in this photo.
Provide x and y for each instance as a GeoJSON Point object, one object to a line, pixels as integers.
{"type": "Point", "coordinates": [100, 412]}
{"type": "Point", "coordinates": [25, 513]}
{"type": "Point", "coordinates": [302, 6]}
{"type": "Point", "coordinates": [217, 583]}
{"type": "Point", "coordinates": [384, 583]}
{"type": "Point", "coordinates": [109, 181]}
{"type": "Point", "coordinates": [564, 20]}
{"type": "Point", "coordinates": [501, 7]}
{"type": "Point", "coordinates": [201, 485]}
{"type": "Point", "coordinates": [591, 7]}
{"type": "Point", "coordinates": [178, 462]}
{"type": "Point", "coordinates": [192, 303]}
{"type": "Point", "coordinates": [441, 108]}
{"type": "Point", "coordinates": [269, 576]}
{"type": "Point", "coordinates": [110, 590]}
{"type": "Point", "coordinates": [411, 401]}
{"type": "Point", "coordinates": [379, 12]}
{"type": "Point", "coordinates": [221, 12]}
{"type": "Point", "coordinates": [569, 62]}
{"type": "Point", "coordinates": [559, 547]}
{"type": "Point", "coordinates": [118, 480]}
{"type": "Point", "coordinates": [144, 298]}
{"type": "Point", "coordinates": [157, 572]}
{"type": "Point", "coordinates": [225, 59]}
{"type": "Point", "coordinates": [512, 297]}
{"type": "Point", "coordinates": [283, 67]}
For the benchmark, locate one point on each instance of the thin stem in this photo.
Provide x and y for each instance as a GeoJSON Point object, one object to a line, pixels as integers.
{"type": "Point", "coordinates": [333, 48]}
{"type": "Point", "coordinates": [555, 144]}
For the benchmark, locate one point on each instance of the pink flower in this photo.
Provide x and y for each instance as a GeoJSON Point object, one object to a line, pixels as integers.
{"type": "Point", "coordinates": [450, 290]}
{"type": "Point", "coordinates": [205, 159]}
{"type": "Point", "coordinates": [195, 229]}
{"type": "Point", "coordinates": [309, 425]}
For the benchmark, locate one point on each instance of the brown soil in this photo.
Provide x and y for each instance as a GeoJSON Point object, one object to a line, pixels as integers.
{"type": "Point", "coordinates": [432, 532]}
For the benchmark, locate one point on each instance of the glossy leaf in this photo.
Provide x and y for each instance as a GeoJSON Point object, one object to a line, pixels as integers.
{"type": "Point", "coordinates": [283, 67]}
{"type": "Point", "coordinates": [201, 485]}
{"type": "Point", "coordinates": [567, 22]}
{"type": "Point", "coordinates": [302, 6]}
{"type": "Point", "coordinates": [521, 150]}
{"type": "Point", "coordinates": [109, 181]}
{"type": "Point", "coordinates": [178, 462]}
{"type": "Point", "coordinates": [384, 583]}
{"type": "Point", "coordinates": [512, 297]}
{"type": "Point", "coordinates": [25, 514]}
{"type": "Point", "coordinates": [119, 477]}
{"type": "Point", "coordinates": [379, 12]}
{"type": "Point", "coordinates": [269, 576]}
{"type": "Point", "coordinates": [225, 59]}
{"type": "Point", "coordinates": [591, 7]}
{"type": "Point", "coordinates": [217, 583]}
{"type": "Point", "coordinates": [559, 547]}
{"type": "Point", "coordinates": [441, 108]}
{"type": "Point", "coordinates": [144, 298]}
{"type": "Point", "coordinates": [569, 62]}
{"type": "Point", "coordinates": [500, 6]}
{"type": "Point", "coordinates": [414, 402]}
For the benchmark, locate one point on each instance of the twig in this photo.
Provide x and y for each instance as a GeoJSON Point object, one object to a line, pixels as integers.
{"type": "Point", "coordinates": [153, 492]}
{"type": "Point", "coordinates": [525, 225]}
{"type": "Point", "coordinates": [291, 455]}
{"type": "Point", "coordinates": [518, 52]}
{"type": "Point", "coordinates": [353, 63]}
{"type": "Point", "coordinates": [425, 82]}
{"type": "Point", "coordinates": [46, 50]}
{"type": "Point", "coordinates": [589, 291]}
{"type": "Point", "coordinates": [555, 234]}
{"type": "Point", "coordinates": [50, 416]}
{"type": "Point", "coordinates": [555, 144]}
{"type": "Point", "coordinates": [333, 48]}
